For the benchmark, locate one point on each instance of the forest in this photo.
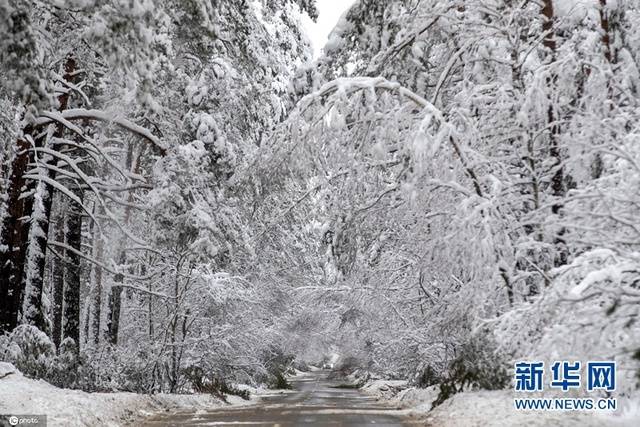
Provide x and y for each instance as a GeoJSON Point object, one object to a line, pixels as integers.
{"type": "Point", "coordinates": [187, 194]}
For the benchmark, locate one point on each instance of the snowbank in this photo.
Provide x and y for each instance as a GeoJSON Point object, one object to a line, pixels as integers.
{"type": "Point", "coordinates": [418, 399]}
{"type": "Point", "coordinates": [495, 408]}
{"type": "Point", "coordinates": [23, 396]}
{"type": "Point", "coordinates": [384, 389]}
{"type": "Point", "coordinates": [415, 401]}
{"type": "Point", "coordinates": [491, 408]}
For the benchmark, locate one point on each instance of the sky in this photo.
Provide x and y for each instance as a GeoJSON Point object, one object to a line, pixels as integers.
{"type": "Point", "coordinates": [330, 12]}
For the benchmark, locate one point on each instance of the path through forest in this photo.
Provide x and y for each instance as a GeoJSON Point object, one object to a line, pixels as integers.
{"type": "Point", "coordinates": [316, 400]}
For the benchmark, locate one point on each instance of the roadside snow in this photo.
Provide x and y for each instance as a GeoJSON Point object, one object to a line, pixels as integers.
{"type": "Point", "coordinates": [495, 408]}
{"type": "Point", "coordinates": [6, 369]}
{"type": "Point", "coordinates": [491, 408]}
{"type": "Point", "coordinates": [64, 407]}
{"type": "Point", "coordinates": [418, 399]}
{"type": "Point", "coordinates": [385, 389]}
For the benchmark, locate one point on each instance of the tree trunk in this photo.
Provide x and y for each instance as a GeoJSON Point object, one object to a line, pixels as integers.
{"type": "Point", "coordinates": [15, 230]}
{"type": "Point", "coordinates": [58, 277]}
{"type": "Point", "coordinates": [33, 311]}
{"type": "Point", "coordinates": [71, 325]}
{"type": "Point", "coordinates": [86, 324]}
{"type": "Point", "coordinates": [558, 190]}
{"type": "Point", "coordinates": [98, 251]}
{"type": "Point", "coordinates": [549, 42]}
{"type": "Point", "coordinates": [597, 165]}
{"type": "Point", "coordinates": [115, 301]}
{"type": "Point", "coordinates": [606, 37]}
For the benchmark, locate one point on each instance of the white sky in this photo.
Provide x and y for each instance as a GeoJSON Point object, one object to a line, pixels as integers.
{"type": "Point", "coordinates": [330, 12]}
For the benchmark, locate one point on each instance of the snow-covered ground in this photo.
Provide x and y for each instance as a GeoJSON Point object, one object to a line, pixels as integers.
{"type": "Point", "coordinates": [491, 408]}
{"type": "Point", "coordinates": [23, 396]}
{"type": "Point", "coordinates": [70, 408]}
{"type": "Point", "coordinates": [495, 408]}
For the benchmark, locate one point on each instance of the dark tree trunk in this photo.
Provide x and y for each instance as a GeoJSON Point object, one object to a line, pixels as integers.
{"type": "Point", "coordinates": [547, 26]}
{"type": "Point", "coordinates": [606, 37]}
{"type": "Point", "coordinates": [557, 181]}
{"type": "Point", "coordinates": [558, 178]}
{"type": "Point", "coordinates": [87, 321]}
{"type": "Point", "coordinates": [15, 231]}
{"type": "Point", "coordinates": [71, 325]}
{"type": "Point", "coordinates": [597, 166]}
{"type": "Point", "coordinates": [115, 301]}
{"type": "Point", "coordinates": [57, 277]}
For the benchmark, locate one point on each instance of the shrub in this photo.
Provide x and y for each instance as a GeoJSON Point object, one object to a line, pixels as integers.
{"type": "Point", "coordinates": [476, 366]}
{"type": "Point", "coordinates": [64, 368]}
{"type": "Point", "coordinates": [229, 389]}
{"type": "Point", "coordinates": [277, 364]}
{"type": "Point", "coordinates": [427, 378]}
{"type": "Point", "coordinates": [208, 383]}
{"type": "Point", "coordinates": [279, 382]}
{"type": "Point", "coordinates": [29, 349]}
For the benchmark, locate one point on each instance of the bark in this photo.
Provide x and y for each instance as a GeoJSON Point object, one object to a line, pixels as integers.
{"type": "Point", "coordinates": [71, 324]}
{"type": "Point", "coordinates": [73, 270]}
{"type": "Point", "coordinates": [558, 188]}
{"type": "Point", "coordinates": [606, 37]}
{"type": "Point", "coordinates": [597, 166]}
{"type": "Point", "coordinates": [15, 230]}
{"type": "Point", "coordinates": [557, 184]}
{"type": "Point", "coordinates": [115, 305]}
{"type": "Point", "coordinates": [98, 252]}
{"type": "Point", "coordinates": [58, 281]}
{"type": "Point", "coordinates": [549, 40]}
{"type": "Point", "coordinates": [87, 320]}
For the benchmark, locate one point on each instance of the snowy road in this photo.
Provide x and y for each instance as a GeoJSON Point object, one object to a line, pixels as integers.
{"type": "Point", "coordinates": [315, 401]}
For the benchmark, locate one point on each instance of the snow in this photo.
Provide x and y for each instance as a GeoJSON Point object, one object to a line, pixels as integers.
{"type": "Point", "coordinates": [92, 114]}
{"type": "Point", "coordinates": [6, 369]}
{"type": "Point", "coordinates": [384, 388]}
{"type": "Point", "coordinates": [495, 408]}
{"type": "Point", "coordinates": [64, 407]}
{"type": "Point", "coordinates": [598, 276]}
{"type": "Point", "coordinates": [575, 11]}
{"type": "Point", "coordinates": [490, 408]}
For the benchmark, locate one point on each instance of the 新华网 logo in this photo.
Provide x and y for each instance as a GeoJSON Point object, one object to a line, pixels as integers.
{"type": "Point", "coordinates": [529, 376]}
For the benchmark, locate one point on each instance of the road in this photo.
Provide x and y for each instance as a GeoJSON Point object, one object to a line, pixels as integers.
{"type": "Point", "coordinates": [315, 401]}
